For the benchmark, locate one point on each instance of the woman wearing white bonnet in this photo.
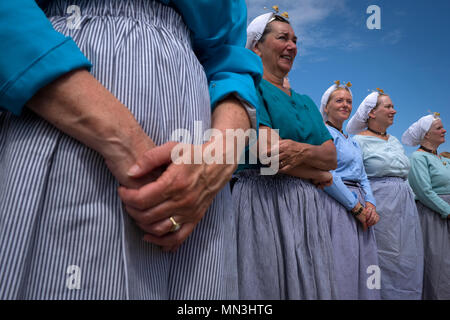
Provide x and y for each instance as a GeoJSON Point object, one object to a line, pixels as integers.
{"type": "Point", "coordinates": [429, 177]}
{"type": "Point", "coordinates": [398, 233]}
{"type": "Point", "coordinates": [351, 205]}
{"type": "Point", "coordinates": [284, 244]}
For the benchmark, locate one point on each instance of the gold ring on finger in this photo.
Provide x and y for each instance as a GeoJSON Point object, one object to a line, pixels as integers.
{"type": "Point", "coordinates": [175, 225]}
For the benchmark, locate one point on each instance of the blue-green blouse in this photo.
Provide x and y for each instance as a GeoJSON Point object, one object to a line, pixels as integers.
{"type": "Point", "coordinates": [33, 54]}
{"type": "Point", "coordinates": [429, 177]}
{"type": "Point", "coordinates": [296, 117]}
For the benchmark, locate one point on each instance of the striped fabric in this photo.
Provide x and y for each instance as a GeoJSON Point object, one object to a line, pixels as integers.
{"type": "Point", "coordinates": [283, 238]}
{"type": "Point", "coordinates": [436, 239]}
{"type": "Point", "coordinates": [399, 239]}
{"type": "Point", "coordinates": [63, 231]}
{"type": "Point", "coordinates": [354, 250]}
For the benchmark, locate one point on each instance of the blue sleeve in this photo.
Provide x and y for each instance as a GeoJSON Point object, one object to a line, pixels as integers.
{"type": "Point", "coordinates": [33, 54]}
{"type": "Point", "coordinates": [339, 191]}
{"type": "Point", "coordinates": [420, 182]}
{"type": "Point", "coordinates": [219, 34]}
{"type": "Point", "coordinates": [365, 184]}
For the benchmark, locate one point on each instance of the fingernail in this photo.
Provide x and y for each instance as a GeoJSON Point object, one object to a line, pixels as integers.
{"type": "Point", "coordinates": [134, 170]}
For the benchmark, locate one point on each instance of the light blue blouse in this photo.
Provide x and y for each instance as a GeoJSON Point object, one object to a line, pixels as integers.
{"type": "Point", "coordinates": [383, 158]}
{"type": "Point", "coordinates": [350, 167]}
{"type": "Point", "coordinates": [430, 176]}
{"type": "Point", "coordinates": [33, 54]}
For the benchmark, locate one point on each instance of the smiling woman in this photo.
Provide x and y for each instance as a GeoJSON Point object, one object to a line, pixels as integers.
{"type": "Point", "coordinates": [284, 245]}
{"type": "Point", "coordinates": [351, 207]}
{"type": "Point", "coordinates": [398, 234]}
{"type": "Point", "coordinates": [277, 50]}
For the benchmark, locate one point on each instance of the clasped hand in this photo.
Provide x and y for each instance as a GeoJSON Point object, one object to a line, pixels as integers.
{"type": "Point", "coordinates": [183, 191]}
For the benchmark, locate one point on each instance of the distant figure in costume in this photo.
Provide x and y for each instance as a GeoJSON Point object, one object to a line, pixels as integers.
{"type": "Point", "coordinates": [284, 245]}
{"type": "Point", "coordinates": [398, 234]}
{"type": "Point", "coordinates": [353, 212]}
{"type": "Point", "coordinates": [429, 177]}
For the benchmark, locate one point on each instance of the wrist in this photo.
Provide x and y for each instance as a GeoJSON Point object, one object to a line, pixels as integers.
{"type": "Point", "coordinates": [130, 143]}
{"type": "Point", "coordinates": [308, 151]}
{"type": "Point", "coordinates": [357, 210]}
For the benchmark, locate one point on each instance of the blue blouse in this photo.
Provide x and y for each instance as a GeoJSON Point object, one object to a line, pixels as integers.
{"type": "Point", "coordinates": [383, 158]}
{"type": "Point", "coordinates": [350, 167]}
{"type": "Point", "coordinates": [33, 54]}
{"type": "Point", "coordinates": [296, 117]}
{"type": "Point", "coordinates": [429, 177]}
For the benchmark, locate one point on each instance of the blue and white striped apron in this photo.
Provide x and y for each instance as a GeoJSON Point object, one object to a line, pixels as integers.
{"type": "Point", "coordinates": [284, 244]}
{"type": "Point", "coordinates": [354, 250]}
{"type": "Point", "coordinates": [399, 239]}
{"type": "Point", "coordinates": [436, 242]}
{"type": "Point", "coordinates": [64, 233]}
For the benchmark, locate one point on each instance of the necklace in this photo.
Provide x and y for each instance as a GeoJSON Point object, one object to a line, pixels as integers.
{"type": "Point", "coordinates": [432, 152]}
{"type": "Point", "coordinates": [428, 150]}
{"type": "Point", "coordinates": [383, 134]}
{"type": "Point", "coordinates": [332, 125]}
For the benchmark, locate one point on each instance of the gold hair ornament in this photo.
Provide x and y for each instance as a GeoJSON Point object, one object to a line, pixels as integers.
{"type": "Point", "coordinates": [436, 115]}
{"type": "Point", "coordinates": [276, 11]}
{"type": "Point", "coordinates": [338, 84]}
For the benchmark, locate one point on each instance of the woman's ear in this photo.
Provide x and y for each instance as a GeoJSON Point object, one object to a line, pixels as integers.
{"type": "Point", "coordinates": [256, 49]}
{"type": "Point", "coordinates": [372, 114]}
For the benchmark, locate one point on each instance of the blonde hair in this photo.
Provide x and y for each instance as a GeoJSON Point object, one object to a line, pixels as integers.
{"type": "Point", "coordinates": [338, 88]}
{"type": "Point", "coordinates": [378, 100]}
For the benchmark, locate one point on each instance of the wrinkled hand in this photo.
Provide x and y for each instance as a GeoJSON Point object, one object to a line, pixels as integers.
{"type": "Point", "coordinates": [183, 191]}
{"type": "Point", "coordinates": [289, 153]}
{"type": "Point", "coordinates": [120, 162]}
{"type": "Point", "coordinates": [362, 217]}
{"type": "Point", "coordinates": [372, 215]}
{"type": "Point", "coordinates": [325, 180]}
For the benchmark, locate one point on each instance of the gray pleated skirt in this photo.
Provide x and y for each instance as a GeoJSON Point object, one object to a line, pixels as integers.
{"type": "Point", "coordinates": [284, 245]}
{"type": "Point", "coordinates": [63, 231]}
{"type": "Point", "coordinates": [436, 240]}
{"type": "Point", "coordinates": [354, 252]}
{"type": "Point", "coordinates": [399, 239]}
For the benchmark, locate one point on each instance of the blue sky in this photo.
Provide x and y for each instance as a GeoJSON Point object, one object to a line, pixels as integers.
{"type": "Point", "coordinates": [409, 57]}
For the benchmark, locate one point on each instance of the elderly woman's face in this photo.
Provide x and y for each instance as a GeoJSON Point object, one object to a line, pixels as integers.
{"type": "Point", "coordinates": [339, 107]}
{"type": "Point", "coordinates": [384, 113]}
{"type": "Point", "coordinates": [436, 134]}
{"type": "Point", "coordinates": [279, 48]}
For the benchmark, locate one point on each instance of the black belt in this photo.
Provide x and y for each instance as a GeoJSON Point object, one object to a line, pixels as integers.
{"type": "Point", "coordinates": [352, 183]}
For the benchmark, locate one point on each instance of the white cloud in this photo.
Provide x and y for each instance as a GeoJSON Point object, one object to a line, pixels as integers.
{"type": "Point", "coordinates": [309, 20]}
{"type": "Point", "coordinates": [393, 37]}
{"type": "Point", "coordinates": [302, 12]}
